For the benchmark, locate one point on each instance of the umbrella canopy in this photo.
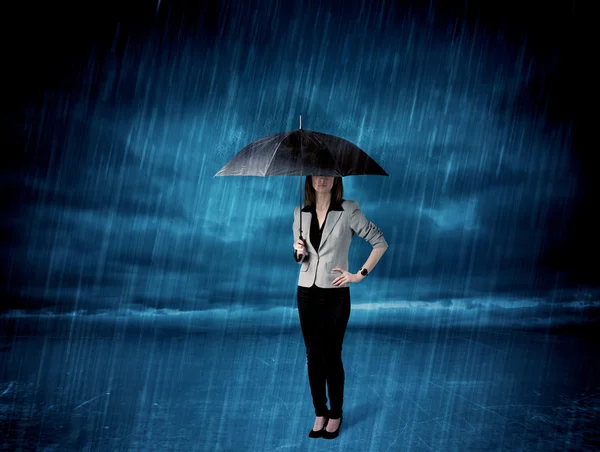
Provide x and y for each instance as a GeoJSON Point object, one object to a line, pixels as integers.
{"type": "Point", "coordinates": [301, 153]}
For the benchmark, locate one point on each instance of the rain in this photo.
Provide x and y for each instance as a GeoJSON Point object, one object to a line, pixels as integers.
{"type": "Point", "coordinates": [148, 305]}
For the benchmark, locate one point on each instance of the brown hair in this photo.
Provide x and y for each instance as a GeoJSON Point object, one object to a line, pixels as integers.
{"type": "Point", "coordinates": [337, 191]}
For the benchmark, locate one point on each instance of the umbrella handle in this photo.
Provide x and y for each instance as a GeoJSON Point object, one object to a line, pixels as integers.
{"type": "Point", "coordinates": [304, 242]}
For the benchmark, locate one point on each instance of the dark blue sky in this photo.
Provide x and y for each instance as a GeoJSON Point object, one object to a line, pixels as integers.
{"type": "Point", "coordinates": [118, 120]}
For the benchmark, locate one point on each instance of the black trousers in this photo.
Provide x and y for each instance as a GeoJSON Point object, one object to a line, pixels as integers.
{"type": "Point", "coordinates": [324, 315]}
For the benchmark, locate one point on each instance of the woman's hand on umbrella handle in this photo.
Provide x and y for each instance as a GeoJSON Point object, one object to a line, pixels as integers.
{"type": "Point", "coordinates": [299, 246]}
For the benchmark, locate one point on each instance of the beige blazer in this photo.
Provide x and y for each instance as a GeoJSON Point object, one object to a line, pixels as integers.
{"type": "Point", "coordinates": [340, 226]}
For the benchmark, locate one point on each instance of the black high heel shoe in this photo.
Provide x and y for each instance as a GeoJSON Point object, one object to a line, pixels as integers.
{"type": "Point", "coordinates": [318, 433]}
{"type": "Point", "coordinates": [331, 435]}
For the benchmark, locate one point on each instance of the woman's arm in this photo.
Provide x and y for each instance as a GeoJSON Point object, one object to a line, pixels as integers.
{"type": "Point", "coordinates": [366, 229]}
{"type": "Point", "coordinates": [372, 234]}
{"type": "Point", "coordinates": [296, 231]}
{"type": "Point", "coordinates": [374, 257]}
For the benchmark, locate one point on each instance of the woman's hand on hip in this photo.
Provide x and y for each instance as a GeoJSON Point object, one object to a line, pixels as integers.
{"type": "Point", "coordinates": [345, 277]}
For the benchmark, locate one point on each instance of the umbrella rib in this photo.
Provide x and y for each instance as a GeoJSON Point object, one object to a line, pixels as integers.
{"type": "Point", "coordinates": [275, 152]}
{"type": "Point", "coordinates": [316, 138]}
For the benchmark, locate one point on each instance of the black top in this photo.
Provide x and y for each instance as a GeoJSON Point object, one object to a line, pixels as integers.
{"type": "Point", "coordinates": [315, 232]}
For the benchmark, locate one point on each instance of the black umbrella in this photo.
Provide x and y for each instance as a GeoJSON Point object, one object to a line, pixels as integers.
{"type": "Point", "coordinates": [301, 153]}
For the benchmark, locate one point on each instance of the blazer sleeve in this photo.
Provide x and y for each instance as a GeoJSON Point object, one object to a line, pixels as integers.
{"type": "Point", "coordinates": [365, 229]}
{"type": "Point", "coordinates": [296, 230]}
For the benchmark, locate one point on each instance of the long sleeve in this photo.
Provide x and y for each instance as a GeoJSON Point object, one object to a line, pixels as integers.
{"type": "Point", "coordinates": [296, 230]}
{"type": "Point", "coordinates": [366, 229]}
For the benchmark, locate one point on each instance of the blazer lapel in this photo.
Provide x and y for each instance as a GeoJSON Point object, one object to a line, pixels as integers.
{"type": "Point", "coordinates": [332, 218]}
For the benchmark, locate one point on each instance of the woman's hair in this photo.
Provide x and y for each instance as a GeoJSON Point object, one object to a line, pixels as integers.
{"type": "Point", "coordinates": [337, 191]}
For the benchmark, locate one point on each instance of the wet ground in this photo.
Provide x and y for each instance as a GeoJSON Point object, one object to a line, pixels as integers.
{"type": "Point", "coordinates": [89, 385]}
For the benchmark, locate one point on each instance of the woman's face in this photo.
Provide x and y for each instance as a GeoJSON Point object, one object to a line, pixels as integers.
{"type": "Point", "coordinates": [322, 184]}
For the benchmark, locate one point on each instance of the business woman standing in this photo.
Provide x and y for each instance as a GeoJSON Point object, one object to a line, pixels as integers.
{"type": "Point", "coordinates": [323, 289]}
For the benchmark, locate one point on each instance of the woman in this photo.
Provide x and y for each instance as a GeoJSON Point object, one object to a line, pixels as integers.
{"type": "Point", "coordinates": [323, 288]}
